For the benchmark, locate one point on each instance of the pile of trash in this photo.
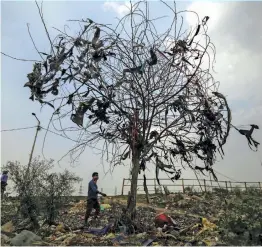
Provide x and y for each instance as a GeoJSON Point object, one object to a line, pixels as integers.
{"type": "Point", "coordinates": [181, 220]}
{"type": "Point", "coordinates": [9, 208]}
{"type": "Point", "coordinates": [78, 207]}
{"type": "Point", "coordinates": [113, 227]}
{"type": "Point", "coordinates": [81, 207]}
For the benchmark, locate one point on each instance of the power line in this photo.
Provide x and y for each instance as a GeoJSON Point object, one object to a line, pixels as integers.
{"type": "Point", "coordinates": [72, 139]}
{"type": "Point", "coordinates": [25, 128]}
{"type": "Point", "coordinates": [219, 173]}
{"type": "Point", "coordinates": [91, 146]}
{"type": "Point", "coordinates": [19, 59]}
{"type": "Point", "coordinates": [58, 134]}
{"type": "Point", "coordinates": [225, 176]}
{"type": "Point", "coordinates": [18, 129]}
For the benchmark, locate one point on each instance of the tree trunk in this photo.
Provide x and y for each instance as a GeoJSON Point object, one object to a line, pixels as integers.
{"type": "Point", "coordinates": [146, 190]}
{"type": "Point", "coordinates": [29, 210]}
{"type": "Point", "coordinates": [131, 206]}
{"type": "Point", "coordinates": [51, 213]}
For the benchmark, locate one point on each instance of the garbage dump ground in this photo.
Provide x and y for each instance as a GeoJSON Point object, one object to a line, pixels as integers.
{"type": "Point", "coordinates": [203, 219]}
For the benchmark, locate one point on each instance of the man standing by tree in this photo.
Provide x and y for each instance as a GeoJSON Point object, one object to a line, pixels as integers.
{"type": "Point", "coordinates": [92, 200]}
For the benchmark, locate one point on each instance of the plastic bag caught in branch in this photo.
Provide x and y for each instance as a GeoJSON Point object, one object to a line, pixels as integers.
{"type": "Point", "coordinates": [78, 117]}
{"type": "Point", "coordinates": [248, 135]}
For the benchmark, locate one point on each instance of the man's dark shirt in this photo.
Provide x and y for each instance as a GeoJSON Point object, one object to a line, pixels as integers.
{"type": "Point", "coordinates": [92, 190]}
{"type": "Point", "coordinates": [4, 178]}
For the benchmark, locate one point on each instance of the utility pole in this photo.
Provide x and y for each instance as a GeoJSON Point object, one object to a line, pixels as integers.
{"type": "Point", "coordinates": [27, 181]}
{"type": "Point", "coordinates": [81, 190]}
{"type": "Point", "coordinates": [38, 128]}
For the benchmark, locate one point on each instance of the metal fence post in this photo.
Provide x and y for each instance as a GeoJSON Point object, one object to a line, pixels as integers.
{"type": "Point", "coordinates": [155, 186]}
{"type": "Point", "coordinates": [123, 185]}
{"type": "Point", "coordinates": [183, 186]}
{"type": "Point", "coordinates": [205, 185]}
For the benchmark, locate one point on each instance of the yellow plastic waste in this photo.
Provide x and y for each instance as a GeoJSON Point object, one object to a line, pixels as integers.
{"type": "Point", "coordinates": [155, 244]}
{"type": "Point", "coordinates": [60, 228]}
{"type": "Point", "coordinates": [105, 206]}
{"type": "Point", "coordinates": [208, 242]}
{"type": "Point", "coordinates": [88, 235]}
{"type": "Point", "coordinates": [207, 225]}
{"type": "Point", "coordinates": [141, 235]}
{"type": "Point", "coordinates": [110, 235]}
{"type": "Point", "coordinates": [8, 227]}
{"type": "Point", "coordinates": [107, 200]}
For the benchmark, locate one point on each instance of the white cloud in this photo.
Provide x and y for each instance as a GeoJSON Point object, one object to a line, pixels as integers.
{"type": "Point", "coordinates": [237, 61]}
{"type": "Point", "coordinates": [211, 9]}
{"type": "Point", "coordinates": [121, 9]}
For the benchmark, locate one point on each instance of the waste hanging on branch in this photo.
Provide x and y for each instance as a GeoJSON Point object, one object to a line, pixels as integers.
{"type": "Point", "coordinates": [147, 92]}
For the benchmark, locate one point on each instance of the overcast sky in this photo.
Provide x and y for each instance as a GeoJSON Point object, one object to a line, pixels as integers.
{"type": "Point", "coordinates": [235, 29]}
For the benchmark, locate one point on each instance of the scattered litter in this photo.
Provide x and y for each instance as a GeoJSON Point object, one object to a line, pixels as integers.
{"type": "Point", "coordinates": [162, 219]}
{"type": "Point", "coordinates": [110, 235]}
{"type": "Point", "coordinates": [69, 239]}
{"type": "Point", "coordinates": [8, 227]}
{"type": "Point", "coordinates": [119, 239]}
{"type": "Point", "coordinates": [106, 206]}
{"type": "Point", "coordinates": [148, 242]}
{"type": "Point", "coordinates": [60, 228]}
{"type": "Point", "coordinates": [206, 226]}
{"type": "Point", "coordinates": [200, 221]}
{"type": "Point", "coordinates": [99, 232]}
{"type": "Point", "coordinates": [25, 238]}
{"type": "Point", "coordinates": [5, 240]}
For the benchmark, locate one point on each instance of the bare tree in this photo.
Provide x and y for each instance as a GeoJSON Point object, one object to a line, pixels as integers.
{"type": "Point", "coordinates": [147, 95]}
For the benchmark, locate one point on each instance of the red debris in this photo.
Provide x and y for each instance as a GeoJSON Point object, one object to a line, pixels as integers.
{"type": "Point", "coordinates": [163, 219]}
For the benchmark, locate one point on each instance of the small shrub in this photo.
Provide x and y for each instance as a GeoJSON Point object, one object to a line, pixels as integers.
{"type": "Point", "coordinates": [220, 191]}
{"type": "Point", "coordinates": [237, 191]}
{"type": "Point", "coordinates": [167, 191]}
